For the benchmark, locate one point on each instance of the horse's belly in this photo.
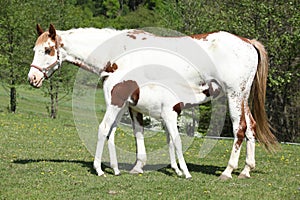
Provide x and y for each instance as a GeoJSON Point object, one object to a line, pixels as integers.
{"type": "Point", "coordinates": [154, 98]}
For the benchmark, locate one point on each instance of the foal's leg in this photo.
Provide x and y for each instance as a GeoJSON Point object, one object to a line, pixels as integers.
{"type": "Point", "coordinates": [170, 120]}
{"type": "Point", "coordinates": [137, 123]}
{"type": "Point", "coordinates": [250, 151]}
{"type": "Point", "coordinates": [172, 155]}
{"type": "Point", "coordinates": [237, 113]}
{"type": "Point", "coordinates": [112, 151]}
{"type": "Point", "coordinates": [106, 129]}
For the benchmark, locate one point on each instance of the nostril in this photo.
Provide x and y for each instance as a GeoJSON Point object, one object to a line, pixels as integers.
{"type": "Point", "coordinates": [34, 77]}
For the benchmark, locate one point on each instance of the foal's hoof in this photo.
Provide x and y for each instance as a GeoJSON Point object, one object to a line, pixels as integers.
{"type": "Point", "coordinates": [117, 172]}
{"type": "Point", "coordinates": [243, 176]}
{"type": "Point", "coordinates": [224, 177]}
{"type": "Point", "coordinates": [136, 171]}
{"type": "Point", "coordinates": [179, 173]}
{"type": "Point", "coordinates": [102, 174]}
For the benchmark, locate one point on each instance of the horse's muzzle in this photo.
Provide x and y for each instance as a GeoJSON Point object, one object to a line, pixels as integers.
{"type": "Point", "coordinates": [35, 81]}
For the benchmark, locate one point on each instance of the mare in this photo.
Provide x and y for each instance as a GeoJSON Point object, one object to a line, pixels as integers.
{"type": "Point", "coordinates": [213, 63]}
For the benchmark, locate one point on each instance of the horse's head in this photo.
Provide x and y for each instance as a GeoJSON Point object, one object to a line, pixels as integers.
{"type": "Point", "coordinates": [46, 57]}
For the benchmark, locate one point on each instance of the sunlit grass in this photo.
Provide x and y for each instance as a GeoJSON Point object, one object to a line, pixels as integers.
{"type": "Point", "coordinates": [41, 158]}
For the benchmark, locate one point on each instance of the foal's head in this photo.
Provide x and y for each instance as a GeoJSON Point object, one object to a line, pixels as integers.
{"type": "Point", "coordinates": [46, 57]}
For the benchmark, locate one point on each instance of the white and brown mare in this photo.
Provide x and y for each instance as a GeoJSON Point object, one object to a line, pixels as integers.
{"type": "Point", "coordinates": [239, 66]}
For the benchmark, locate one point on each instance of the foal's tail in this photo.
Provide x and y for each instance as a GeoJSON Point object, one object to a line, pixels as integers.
{"type": "Point", "coordinates": [257, 100]}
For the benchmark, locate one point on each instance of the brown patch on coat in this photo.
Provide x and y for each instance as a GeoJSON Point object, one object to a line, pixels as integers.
{"type": "Point", "coordinates": [214, 92]}
{"type": "Point", "coordinates": [110, 67]}
{"type": "Point", "coordinates": [58, 42]}
{"type": "Point", "coordinates": [242, 127]}
{"type": "Point", "coordinates": [178, 107]}
{"type": "Point", "coordinates": [252, 121]}
{"type": "Point", "coordinates": [42, 38]}
{"type": "Point", "coordinates": [124, 91]}
{"type": "Point", "coordinates": [50, 51]}
{"type": "Point", "coordinates": [132, 34]}
{"type": "Point", "coordinates": [139, 117]}
{"type": "Point", "coordinates": [211, 91]}
{"type": "Point", "coordinates": [202, 36]}
{"type": "Point", "coordinates": [206, 92]}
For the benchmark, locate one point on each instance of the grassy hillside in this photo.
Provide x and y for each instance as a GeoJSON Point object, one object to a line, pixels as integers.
{"type": "Point", "coordinates": [41, 158]}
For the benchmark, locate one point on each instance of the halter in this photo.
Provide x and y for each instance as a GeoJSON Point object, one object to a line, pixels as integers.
{"type": "Point", "coordinates": [48, 71]}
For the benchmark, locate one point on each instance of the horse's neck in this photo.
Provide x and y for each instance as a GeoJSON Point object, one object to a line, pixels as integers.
{"type": "Point", "coordinates": [80, 44]}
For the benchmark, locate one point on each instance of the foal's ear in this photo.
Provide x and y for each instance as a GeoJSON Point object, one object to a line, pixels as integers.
{"type": "Point", "coordinates": [39, 29]}
{"type": "Point", "coordinates": [52, 32]}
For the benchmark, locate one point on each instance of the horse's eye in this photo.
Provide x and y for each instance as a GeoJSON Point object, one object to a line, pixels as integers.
{"type": "Point", "coordinates": [47, 51]}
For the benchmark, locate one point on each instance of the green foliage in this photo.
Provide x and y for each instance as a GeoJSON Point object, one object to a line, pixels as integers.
{"type": "Point", "coordinates": [111, 8]}
{"type": "Point", "coordinates": [141, 18]}
{"type": "Point", "coordinates": [14, 48]}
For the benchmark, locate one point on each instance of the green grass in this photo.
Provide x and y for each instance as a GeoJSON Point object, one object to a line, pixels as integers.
{"type": "Point", "coordinates": [41, 158]}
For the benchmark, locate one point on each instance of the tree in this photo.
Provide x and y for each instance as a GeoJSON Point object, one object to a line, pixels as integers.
{"type": "Point", "coordinates": [14, 55]}
{"type": "Point", "coordinates": [17, 34]}
{"type": "Point", "coordinates": [60, 84]}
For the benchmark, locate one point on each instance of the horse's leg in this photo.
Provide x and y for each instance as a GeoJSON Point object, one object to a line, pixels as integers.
{"type": "Point", "coordinates": [237, 113]}
{"type": "Point", "coordinates": [112, 151]}
{"type": "Point", "coordinates": [250, 151]}
{"type": "Point", "coordinates": [172, 155]}
{"type": "Point", "coordinates": [170, 120]}
{"type": "Point", "coordinates": [106, 129]}
{"type": "Point", "coordinates": [138, 129]}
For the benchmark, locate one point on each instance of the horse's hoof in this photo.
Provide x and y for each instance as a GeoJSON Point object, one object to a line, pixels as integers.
{"type": "Point", "coordinates": [224, 177]}
{"type": "Point", "coordinates": [117, 172]}
{"type": "Point", "coordinates": [136, 171]}
{"type": "Point", "coordinates": [188, 177]}
{"type": "Point", "coordinates": [179, 173]}
{"type": "Point", "coordinates": [243, 176]}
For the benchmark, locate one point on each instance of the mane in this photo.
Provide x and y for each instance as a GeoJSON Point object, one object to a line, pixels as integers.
{"type": "Point", "coordinates": [89, 31]}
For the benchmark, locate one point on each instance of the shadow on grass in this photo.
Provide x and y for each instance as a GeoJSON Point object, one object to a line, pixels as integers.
{"type": "Point", "coordinates": [205, 169]}
{"type": "Point", "coordinates": [89, 165]}
{"type": "Point", "coordinates": [85, 164]}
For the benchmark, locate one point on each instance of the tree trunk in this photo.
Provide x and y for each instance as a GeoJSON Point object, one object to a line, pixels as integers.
{"type": "Point", "coordinates": [54, 100]}
{"type": "Point", "coordinates": [13, 99]}
{"type": "Point", "coordinates": [13, 91]}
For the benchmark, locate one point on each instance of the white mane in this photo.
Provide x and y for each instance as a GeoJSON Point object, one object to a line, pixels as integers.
{"type": "Point", "coordinates": [82, 42]}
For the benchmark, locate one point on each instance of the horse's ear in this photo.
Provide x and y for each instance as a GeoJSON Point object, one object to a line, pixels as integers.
{"type": "Point", "coordinates": [39, 29]}
{"type": "Point", "coordinates": [52, 32]}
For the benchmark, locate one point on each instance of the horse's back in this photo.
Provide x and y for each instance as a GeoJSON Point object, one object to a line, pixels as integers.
{"type": "Point", "coordinates": [234, 57]}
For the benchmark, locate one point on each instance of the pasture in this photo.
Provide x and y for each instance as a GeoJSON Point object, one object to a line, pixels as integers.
{"type": "Point", "coordinates": [41, 158]}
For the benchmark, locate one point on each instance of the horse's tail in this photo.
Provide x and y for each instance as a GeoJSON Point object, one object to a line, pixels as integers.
{"type": "Point", "coordinates": [257, 100]}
